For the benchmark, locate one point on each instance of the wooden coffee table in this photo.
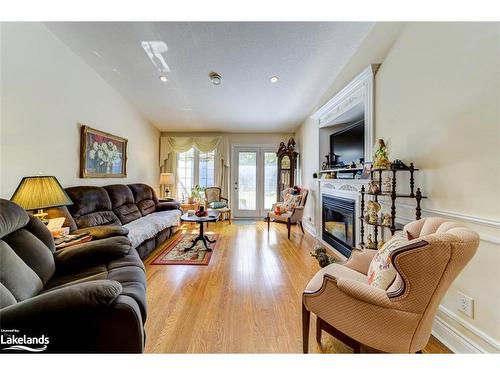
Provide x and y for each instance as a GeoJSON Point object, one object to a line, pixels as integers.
{"type": "Point", "coordinates": [213, 216]}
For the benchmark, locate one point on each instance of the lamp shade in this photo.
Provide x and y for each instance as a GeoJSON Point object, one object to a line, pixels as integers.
{"type": "Point", "coordinates": [37, 192]}
{"type": "Point", "coordinates": [166, 179]}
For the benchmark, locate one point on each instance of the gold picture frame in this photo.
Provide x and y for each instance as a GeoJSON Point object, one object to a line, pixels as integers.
{"type": "Point", "coordinates": [102, 155]}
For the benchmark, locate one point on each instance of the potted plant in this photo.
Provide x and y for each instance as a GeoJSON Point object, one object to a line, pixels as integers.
{"type": "Point", "coordinates": [196, 192]}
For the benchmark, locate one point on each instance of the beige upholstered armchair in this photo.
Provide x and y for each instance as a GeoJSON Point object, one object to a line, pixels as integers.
{"type": "Point", "coordinates": [293, 213]}
{"type": "Point", "coordinates": [213, 194]}
{"type": "Point", "coordinates": [399, 319]}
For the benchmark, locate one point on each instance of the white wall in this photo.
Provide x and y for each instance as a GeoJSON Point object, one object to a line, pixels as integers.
{"type": "Point", "coordinates": [46, 91]}
{"type": "Point", "coordinates": [437, 102]}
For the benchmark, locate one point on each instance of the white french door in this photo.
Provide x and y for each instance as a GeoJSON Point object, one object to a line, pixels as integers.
{"type": "Point", "coordinates": [254, 180]}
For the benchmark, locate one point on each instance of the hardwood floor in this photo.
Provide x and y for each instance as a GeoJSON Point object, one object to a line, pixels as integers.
{"type": "Point", "coordinates": [247, 300]}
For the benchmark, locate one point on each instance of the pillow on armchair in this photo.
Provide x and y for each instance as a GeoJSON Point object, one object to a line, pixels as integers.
{"type": "Point", "coordinates": [291, 201]}
{"type": "Point", "coordinates": [381, 272]}
{"type": "Point", "coordinates": [216, 205]}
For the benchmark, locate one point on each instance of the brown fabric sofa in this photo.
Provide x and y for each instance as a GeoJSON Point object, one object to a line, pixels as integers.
{"type": "Point", "coordinates": [398, 319]}
{"type": "Point", "coordinates": [115, 210]}
{"type": "Point", "coordinates": [88, 298]}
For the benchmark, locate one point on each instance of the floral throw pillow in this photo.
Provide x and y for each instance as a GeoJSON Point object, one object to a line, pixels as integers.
{"type": "Point", "coordinates": [381, 272]}
{"type": "Point", "coordinates": [291, 201]}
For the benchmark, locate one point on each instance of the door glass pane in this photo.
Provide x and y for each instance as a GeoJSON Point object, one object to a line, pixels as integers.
{"type": "Point", "coordinates": [247, 180]}
{"type": "Point", "coordinates": [270, 180]}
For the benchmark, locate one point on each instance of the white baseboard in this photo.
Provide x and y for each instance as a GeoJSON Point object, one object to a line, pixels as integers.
{"type": "Point", "coordinates": [461, 337]}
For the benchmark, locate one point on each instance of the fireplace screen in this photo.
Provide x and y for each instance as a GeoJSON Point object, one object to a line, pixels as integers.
{"type": "Point", "coordinates": [338, 223]}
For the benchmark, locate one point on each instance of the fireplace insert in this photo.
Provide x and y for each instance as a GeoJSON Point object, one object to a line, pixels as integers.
{"type": "Point", "coordinates": [339, 223]}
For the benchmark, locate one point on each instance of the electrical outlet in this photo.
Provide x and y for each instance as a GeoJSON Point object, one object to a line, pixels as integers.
{"type": "Point", "coordinates": [465, 304]}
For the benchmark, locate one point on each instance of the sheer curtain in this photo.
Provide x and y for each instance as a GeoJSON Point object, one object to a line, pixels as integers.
{"type": "Point", "coordinates": [170, 146]}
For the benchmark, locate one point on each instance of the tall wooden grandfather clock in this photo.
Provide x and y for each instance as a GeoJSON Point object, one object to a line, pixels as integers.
{"type": "Point", "coordinates": [287, 166]}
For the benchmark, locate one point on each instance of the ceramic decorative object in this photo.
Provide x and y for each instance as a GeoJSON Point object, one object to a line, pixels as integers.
{"type": "Point", "coordinates": [373, 209]}
{"type": "Point", "coordinates": [369, 243]}
{"type": "Point", "coordinates": [381, 159]}
{"type": "Point", "coordinates": [386, 219]}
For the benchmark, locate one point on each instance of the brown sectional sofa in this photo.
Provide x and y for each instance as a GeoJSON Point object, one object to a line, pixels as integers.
{"type": "Point", "coordinates": [121, 210]}
{"type": "Point", "coordinates": [87, 298]}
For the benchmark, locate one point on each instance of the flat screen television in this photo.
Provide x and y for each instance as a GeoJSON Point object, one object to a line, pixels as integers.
{"type": "Point", "coordinates": [348, 145]}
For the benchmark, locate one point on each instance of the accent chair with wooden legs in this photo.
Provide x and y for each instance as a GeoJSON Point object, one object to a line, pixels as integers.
{"type": "Point", "coordinates": [294, 212]}
{"type": "Point", "coordinates": [397, 319]}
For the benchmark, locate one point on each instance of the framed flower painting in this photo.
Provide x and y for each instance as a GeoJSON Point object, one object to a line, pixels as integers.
{"type": "Point", "coordinates": [102, 155]}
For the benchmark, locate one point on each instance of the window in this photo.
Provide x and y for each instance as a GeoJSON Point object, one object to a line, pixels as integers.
{"type": "Point", "coordinates": [207, 168]}
{"type": "Point", "coordinates": [185, 173]}
{"type": "Point", "coordinates": [194, 168]}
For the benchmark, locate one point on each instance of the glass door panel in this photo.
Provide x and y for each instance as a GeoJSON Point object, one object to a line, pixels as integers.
{"type": "Point", "coordinates": [247, 181]}
{"type": "Point", "coordinates": [270, 180]}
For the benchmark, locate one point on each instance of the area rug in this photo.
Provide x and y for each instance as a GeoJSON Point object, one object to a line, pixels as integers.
{"type": "Point", "coordinates": [174, 252]}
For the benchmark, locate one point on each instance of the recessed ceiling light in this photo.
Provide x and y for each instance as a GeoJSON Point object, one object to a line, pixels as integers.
{"type": "Point", "coordinates": [96, 53]}
{"type": "Point", "coordinates": [116, 71]}
{"type": "Point", "coordinates": [163, 79]}
{"type": "Point", "coordinates": [274, 79]}
{"type": "Point", "coordinates": [215, 78]}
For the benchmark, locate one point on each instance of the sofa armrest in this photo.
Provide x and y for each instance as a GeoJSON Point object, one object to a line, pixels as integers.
{"type": "Point", "coordinates": [364, 292]}
{"type": "Point", "coordinates": [93, 252]}
{"type": "Point", "coordinates": [168, 206]}
{"type": "Point", "coordinates": [360, 260]}
{"type": "Point", "coordinates": [103, 231]}
{"type": "Point", "coordinates": [88, 295]}
{"type": "Point", "coordinates": [90, 317]}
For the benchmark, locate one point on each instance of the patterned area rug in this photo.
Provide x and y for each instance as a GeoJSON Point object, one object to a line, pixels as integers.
{"type": "Point", "coordinates": [198, 256]}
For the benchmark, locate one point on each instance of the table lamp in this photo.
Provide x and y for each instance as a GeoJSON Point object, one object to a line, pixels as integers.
{"type": "Point", "coordinates": [167, 179]}
{"type": "Point", "coordinates": [39, 192]}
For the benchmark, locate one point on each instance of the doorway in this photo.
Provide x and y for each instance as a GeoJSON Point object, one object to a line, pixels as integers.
{"type": "Point", "coordinates": [254, 180]}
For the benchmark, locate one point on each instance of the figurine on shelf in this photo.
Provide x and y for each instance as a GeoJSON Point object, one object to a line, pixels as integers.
{"type": "Point", "coordinates": [381, 160]}
{"type": "Point", "coordinates": [398, 164]}
{"type": "Point", "coordinates": [369, 243]}
{"type": "Point", "coordinates": [373, 209]}
{"type": "Point", "coordinates": [291, 144]}
{"type": "Point", "coordinates": [386, 185]}
{"type": "Point", "coordinates": [373, 187]}
{"type": "Point", "coordinates": [367, 216]}
{"type": "Point", "coordinates": [380, 244]}
{"type": "Point", "coordinates": [386, 219]}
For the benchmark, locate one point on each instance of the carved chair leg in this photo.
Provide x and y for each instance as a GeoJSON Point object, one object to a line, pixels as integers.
{"type": "Point", "coordinates": [318, 330]}
{"type": "Point", "coordinates": [301, 227]}
{"type": "Point", "coordinates": [268, 219]}
{"type": "Point", "coordinates": [306, 317]}
{"type": "Point", "coordinates": [289, 226]}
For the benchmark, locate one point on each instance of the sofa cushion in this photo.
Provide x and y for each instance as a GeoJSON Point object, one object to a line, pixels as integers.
{"type": "Point", "coordinates": [16, 276]}
{"type": "Point", "coordinates": [148, 226]}
{"type": "Point", "coordinates": [123, 203]}
{"type": "Point", "coordinates": [145, 198]}
{"type": "Point", "coordinates": [381, 272]}
{"type": "Point", "coordinates": [12, 217]}
{"type": "Point", "coordinates": [91, 206]}
{"type": "Point", "coordinates": [33, 252]}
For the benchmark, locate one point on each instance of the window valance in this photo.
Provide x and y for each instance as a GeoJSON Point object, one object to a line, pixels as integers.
{"type": "Point", "coordinates": [202, 144]}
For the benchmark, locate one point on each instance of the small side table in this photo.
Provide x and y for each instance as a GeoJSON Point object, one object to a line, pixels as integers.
{"type": "Point", "coordinates": [201, 234]}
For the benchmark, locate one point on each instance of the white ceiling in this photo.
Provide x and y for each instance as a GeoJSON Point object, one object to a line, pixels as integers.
{"type": "Point", "coordinates": [305, 56]}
